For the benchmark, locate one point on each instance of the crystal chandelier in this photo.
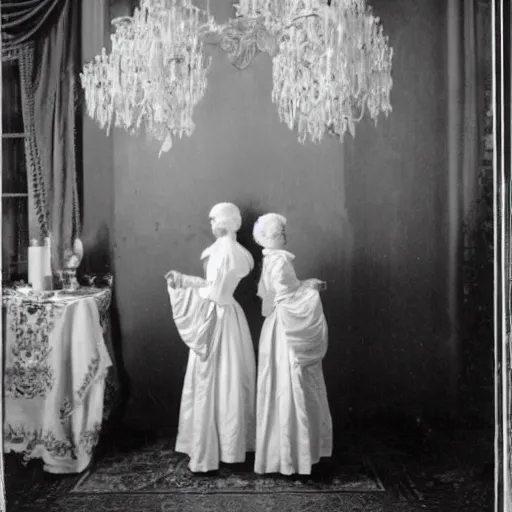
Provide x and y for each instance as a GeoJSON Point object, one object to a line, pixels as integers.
{"type": "Point", "coordinates": [331, 64]}
{"type": "Point", "coordinates": [155, 74]}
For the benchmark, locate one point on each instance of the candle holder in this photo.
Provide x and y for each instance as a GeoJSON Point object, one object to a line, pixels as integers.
{"type": "Point", "coordinates": [72, 260]}
{"type": "Point", "coordinates": [68, 279]}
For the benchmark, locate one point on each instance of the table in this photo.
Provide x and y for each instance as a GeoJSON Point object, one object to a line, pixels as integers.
{"type": "Point", "coordinates": [56, 362]}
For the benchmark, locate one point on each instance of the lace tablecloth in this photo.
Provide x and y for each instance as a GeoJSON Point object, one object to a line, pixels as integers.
{"type": "Point", "coordinates": [56, 361]}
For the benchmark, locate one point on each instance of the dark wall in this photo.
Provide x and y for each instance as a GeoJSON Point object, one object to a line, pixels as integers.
{"type": "Point", "coordinates": [367, 216]}
{"type": "Point", "coordinates": [98, 164]}
{"type": "Point", "coordinates": [397, 200]}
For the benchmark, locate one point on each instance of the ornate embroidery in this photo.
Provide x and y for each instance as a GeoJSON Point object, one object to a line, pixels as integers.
{"type": "Point", "coordinates": [29, 383]}
{"type": "Point", "coordinates": [34, 438]}
{"type": "Point", "coordinates": [57, 448]}
{"type": "Point", "coordinates": [89, 438]}
{"type": "Point", "coordinates": [29, 374]}
{"type": "Point", "coordinates": [89, 377]}
{"type": "Point", "coordinates": [103, 303]}
{"type": "Point", "coordinates": [65, 409]}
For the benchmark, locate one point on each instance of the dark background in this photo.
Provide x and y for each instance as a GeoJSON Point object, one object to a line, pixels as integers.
{"type": "Point", "coordinates": [369, 216]}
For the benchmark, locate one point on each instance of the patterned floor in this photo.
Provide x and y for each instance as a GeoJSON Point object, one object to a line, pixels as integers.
{"type": "Point", "coordinates": [450, 473]}
{"type": "Point", "coordinates": [155, 467]}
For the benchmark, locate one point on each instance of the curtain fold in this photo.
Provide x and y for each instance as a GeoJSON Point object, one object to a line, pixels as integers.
{"type": "Point", "coordinates": [472, 110]}
{"type": "Point", "coordinates": [21, 21]}
{"type": "Point", "coordinates": [49, 60]}
{"type": "Point", "coordinates": [465, 117]}
{"type": "Point", "coordinates": [54, 109]}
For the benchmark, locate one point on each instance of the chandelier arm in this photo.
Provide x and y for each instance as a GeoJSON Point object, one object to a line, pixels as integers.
{"type": "Point", "coordinates": [121, 19]}
{"type": "Point", "coordinates": [362, 109]}
{"type": "Point", "coordinates": [303, 16]}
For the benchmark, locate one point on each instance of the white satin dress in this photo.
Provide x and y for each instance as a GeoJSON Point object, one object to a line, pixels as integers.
{"type": "Point", "coordinates": [293, 420]}
{"type": "Point", "coordinates": [217, 412]}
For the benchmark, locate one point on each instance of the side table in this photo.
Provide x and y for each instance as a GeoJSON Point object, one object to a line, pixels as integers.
{"type": "Point", "coordinates": [56, 363]}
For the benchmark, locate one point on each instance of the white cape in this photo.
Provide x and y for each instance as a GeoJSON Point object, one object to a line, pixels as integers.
{"type": "Point", "coordinates": [294, 426]}
{"type": "Point", "coordinates": [217, 410]}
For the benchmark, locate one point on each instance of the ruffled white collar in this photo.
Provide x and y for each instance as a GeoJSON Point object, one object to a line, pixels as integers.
{"type": "Point", "coordinates": [282, 252]}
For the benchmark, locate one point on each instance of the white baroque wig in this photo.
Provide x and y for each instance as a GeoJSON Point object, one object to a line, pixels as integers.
{"type": "Point", "coordinates": [227, 216]}
{"type": "Point", "coordinates": [268, 226]}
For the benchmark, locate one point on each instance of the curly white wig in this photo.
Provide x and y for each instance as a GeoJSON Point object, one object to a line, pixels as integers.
{"type": "Point", "coordinates": [268, 226]}
{"type": "Point", "coordinates": [227, 216]}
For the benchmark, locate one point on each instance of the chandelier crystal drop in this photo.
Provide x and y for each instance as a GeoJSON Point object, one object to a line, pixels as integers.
{"type": "Point", "coordinates": [155, 74]}
{"type": "Point", "coordinates": [332, 64]}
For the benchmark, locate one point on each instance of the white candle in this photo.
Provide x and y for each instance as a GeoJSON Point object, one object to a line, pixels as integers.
{"type": "Point", "coordinates": [36, 267]}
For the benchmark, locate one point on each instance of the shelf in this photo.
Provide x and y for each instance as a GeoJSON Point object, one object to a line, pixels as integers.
{"type": "Point", "coordinates": [13, 135]}
{"type": "Point", "coordinates": [14, 195]}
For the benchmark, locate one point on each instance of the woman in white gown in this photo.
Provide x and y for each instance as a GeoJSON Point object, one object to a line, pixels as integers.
{"type": "Point", "coordinates": [293, 421]}
{"type": "Point", "coordinates": [216, 421]}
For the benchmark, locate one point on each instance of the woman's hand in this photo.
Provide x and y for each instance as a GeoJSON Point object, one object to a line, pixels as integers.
{"type": "Point", "coordinates": [316, 284]}
{"type": "Point", "coordinates": [173, 279]}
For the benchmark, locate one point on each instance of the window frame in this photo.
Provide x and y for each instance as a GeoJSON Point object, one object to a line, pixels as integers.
{"type": "Point", "coordinates": [19, 267]}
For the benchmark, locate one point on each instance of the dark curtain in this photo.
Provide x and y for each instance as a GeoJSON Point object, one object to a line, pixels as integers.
{"type": "Point", "coordinates": [45, 33]}
{"type": "Point", "coordinates": [24, 20]}
{"type": "Point", "coordinates": [466, 114]}
{"type": "Point", "coordinates": [54, 108]}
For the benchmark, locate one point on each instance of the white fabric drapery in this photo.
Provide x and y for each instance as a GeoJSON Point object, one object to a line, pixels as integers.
{"type": "Point", "coordinates": [217, 410]}
{"type": "Point", "coordinates": [293, 420]}
{"type": "Point", "coordinates": [56, 362]}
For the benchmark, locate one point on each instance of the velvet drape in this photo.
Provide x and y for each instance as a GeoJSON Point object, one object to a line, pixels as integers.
{"type": "Point", "coordinates": [24, 20]}
{"type": "Point", "coordinates": [464, 138]}
{"type": "Point", "coordinates": [44, 33]}
{"type": "Point", "coordinates": [54, 107]}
